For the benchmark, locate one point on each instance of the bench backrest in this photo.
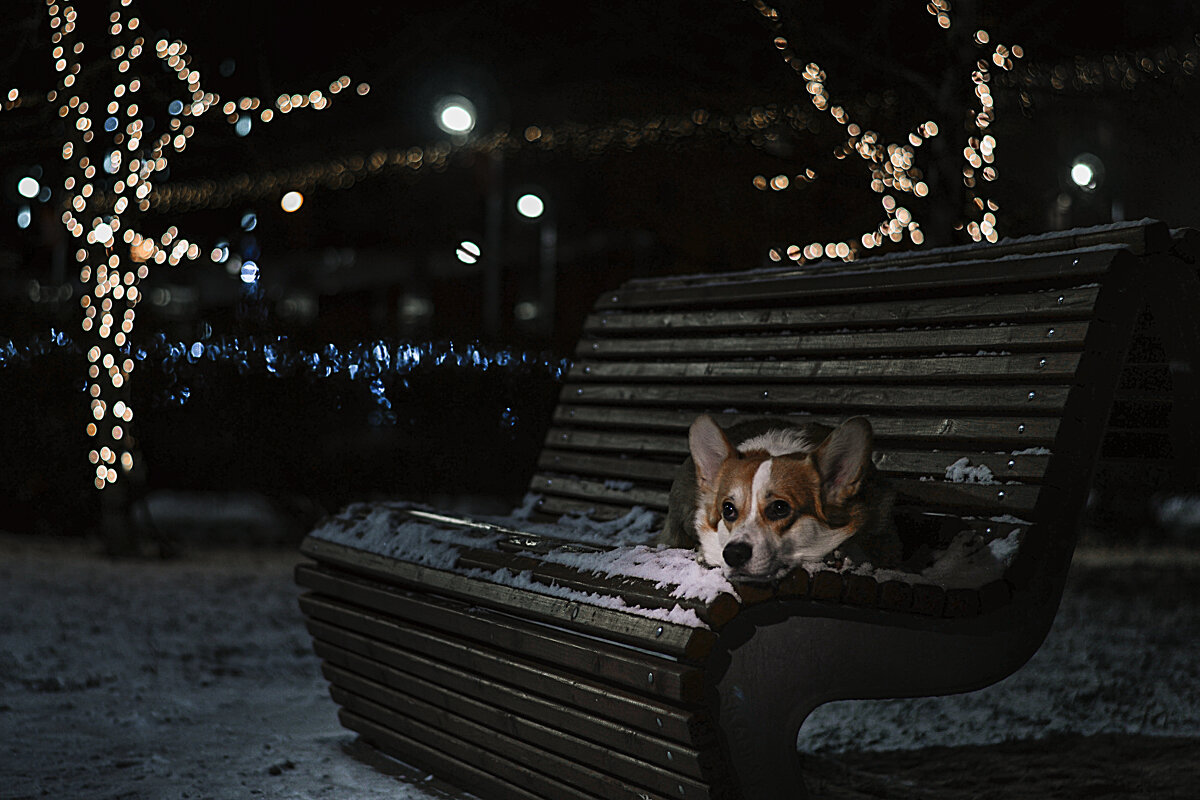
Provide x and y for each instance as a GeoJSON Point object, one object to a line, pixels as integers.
{"type": "Point", "coordinates": [1008, 357]}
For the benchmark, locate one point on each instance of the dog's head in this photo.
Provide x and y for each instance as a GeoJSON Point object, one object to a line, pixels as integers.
{"type": "Point", "coordinates": [760, 511]}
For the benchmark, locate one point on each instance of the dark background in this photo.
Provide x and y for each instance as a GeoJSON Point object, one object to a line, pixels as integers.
{"type": "Point", "coordinates": [374, 261]}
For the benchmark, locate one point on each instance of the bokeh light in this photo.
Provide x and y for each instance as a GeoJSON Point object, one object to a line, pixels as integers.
{"type": "Point", "coordinates": [1087, 172]}
{"type": "Point", "coordinates": [28, 187]}
{"type": "Point", "coordinates": [530, 206]}
{"type": "Point", "coordinates": [291, 202]}
{"type": "Point", "coordinates": [455, 114]}
{"type": "Point", "coordinates": [468, 252]}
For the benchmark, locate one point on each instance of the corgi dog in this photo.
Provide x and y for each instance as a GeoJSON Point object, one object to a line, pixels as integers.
{"type": "Point", "coordinates": [764, 496]}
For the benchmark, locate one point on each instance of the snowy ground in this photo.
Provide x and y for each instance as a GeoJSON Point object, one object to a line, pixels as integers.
{"type": "Point", "coordinates": [194, 678]}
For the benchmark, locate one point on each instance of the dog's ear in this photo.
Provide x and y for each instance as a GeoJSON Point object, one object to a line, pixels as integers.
{"type": "Point", "coordinates": [710, 447]}
{"type": "Point", "coordinates": [842, 459]}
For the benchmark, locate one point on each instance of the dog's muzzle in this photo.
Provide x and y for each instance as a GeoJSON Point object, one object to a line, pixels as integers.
{"type": "Point", "coordinates": [737, 553]}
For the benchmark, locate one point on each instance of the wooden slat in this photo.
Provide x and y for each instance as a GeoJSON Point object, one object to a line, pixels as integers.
{"type": "Point", "coordinates": [633, 591]}
{"type": "Point", "coordinates": [633, 669]}
{"type": "Point", "coordinates": [599, 490]}
{"type": "Point", "coordinates": [513, 539]}
{"type": "Point", "coordinates": [845, 399]}
{"type": "Point", "coordinates": [1050, 305]}
{"type": "Point", "coordinates": [1036, 367]}
{"type": "Point", "coordinates": [1018, 498]}
{"type": "Point", "coordinates": [903, 463]}
{"type": "Point", "coordinates": [1004, 433]}
{"type": "Point", "coordinates": [445, 735]}
{"type": "Point", "coordinates": [1015, 499]}
{"type": "Point", "coordinates": [1067, 335]}
{"type": "Point", "coordinates": [462, 769]}
{"type": "Point", "coordinates": [665, 637]}
{"type": "Point", "coordinates": [571, 463]}
{"type": "Point", "coordinates": [555, 507]}
{"type": "Point", "coordinates": [444, 685]}
{"type": "Point", "coordinates": [405, 645]}
{"type": "Point", "coordinates": [533, 555]}
{"type": "Point", "coordinates": [1005, 467]}
{"type": "Point", "coordinates": [1139, 237]}
{"type": "Point", "coordinates": [952, 524]}
{"type": "Point", "coordinates": [591, 766]}
{"type": "Point", "coordinates": [1062, 269]}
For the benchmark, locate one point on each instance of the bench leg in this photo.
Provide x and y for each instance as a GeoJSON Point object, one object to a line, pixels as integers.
{"type": "Point", "coordinates": [788, 668]}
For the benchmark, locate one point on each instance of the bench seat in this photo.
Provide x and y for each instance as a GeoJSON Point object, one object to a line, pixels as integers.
{"type": "Point", "coordinates": [557, 653]}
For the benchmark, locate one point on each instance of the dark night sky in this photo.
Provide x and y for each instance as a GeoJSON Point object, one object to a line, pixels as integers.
{"type": "Point", "coordinates": [537, 62]}
{"type": "Point", "coordinates": [685, 206]}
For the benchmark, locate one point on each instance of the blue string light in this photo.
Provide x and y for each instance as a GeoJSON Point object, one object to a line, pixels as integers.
{"type": "Point", "coordinates": [381, 365]}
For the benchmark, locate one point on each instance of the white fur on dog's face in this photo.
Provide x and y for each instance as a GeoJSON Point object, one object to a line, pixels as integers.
{"type": "Point", "coordinates": [740, 493]}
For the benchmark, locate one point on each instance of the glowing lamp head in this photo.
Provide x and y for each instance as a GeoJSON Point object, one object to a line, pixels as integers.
{"type": "Point", "coordinates": [467, 252]}
{"type": "Point", "coordinates": [1087, 172]}
{"type": "Point", "coordinates": [530, 206]}
{"type": "Point", "coordinates": [28, 187]}
{"type": "Point", "coordinates": [1081, 174]}
{"type": "Point", "coordinates": [292, 201]}
{"type": "Point", "coordinates": [455, 114]}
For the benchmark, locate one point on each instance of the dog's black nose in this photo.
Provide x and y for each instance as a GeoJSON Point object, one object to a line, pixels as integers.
{"type": "Point", "coordinates": [737, 553]}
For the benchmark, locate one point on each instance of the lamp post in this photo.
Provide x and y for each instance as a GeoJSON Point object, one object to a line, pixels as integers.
{"type": "Point", "coordinates": [1097, 203]}
{"type": "Point", "coordinates": [531, 206]}
{"type": "Point", "coordinates": [456, 115]}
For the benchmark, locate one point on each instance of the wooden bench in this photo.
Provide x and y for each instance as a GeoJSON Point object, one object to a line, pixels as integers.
{"type": "Point", "coordinates": [492, 654]}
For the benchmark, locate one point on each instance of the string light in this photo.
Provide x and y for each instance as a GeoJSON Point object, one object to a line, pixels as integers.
{"type": "Point", "coordinates": [979, 153]}
{"type": "Point", "coordinates": [891, 165]}
{"type": "Point", "coordinates": [752, 126]}
{"type": "Point", "coordinates": [372, 364]}
{"type": "Point", "coordinates": [1126, 71]}
{"type": "Point", "coordinates": [114, 256]}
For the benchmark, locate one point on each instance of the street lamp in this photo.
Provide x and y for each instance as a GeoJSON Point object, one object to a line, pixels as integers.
{"type": "Point", "coordinates": [28, 187]}
{"type": "Point", "coordinates": [530, 206]}
{"type": "Point", "coordinates": [1087, 172]}
{"type": "Point", "coordinates": [467, 252]}
{"type": "Point", "coordinates": [455, 114]}
{"type": "Point", "coordinates": [291, 201]}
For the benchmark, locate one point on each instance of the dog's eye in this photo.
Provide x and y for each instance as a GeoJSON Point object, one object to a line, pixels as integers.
{"type": "Point", "coordinates": [729, 511]}
{"type": "Point", "coordinates": [778, 510]}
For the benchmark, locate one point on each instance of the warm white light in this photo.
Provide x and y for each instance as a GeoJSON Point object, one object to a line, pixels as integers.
{"type": "Point", "coordinates": [455, 114]}
{"type": "Point", "coordinates": [291, 201]}
{"type": "Point", "coordinates": [530, 205]}
{"type": "Point", "coordinates": [28, 187]}
{"type": "Point", "coordinates": [467, 252]}
{"type": "Point", "coordinates": [1082, 174]}
{"type": "Point", "coordinates": [1087, 172]}
{"type": "Point", "coordinates": [104, 232]}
